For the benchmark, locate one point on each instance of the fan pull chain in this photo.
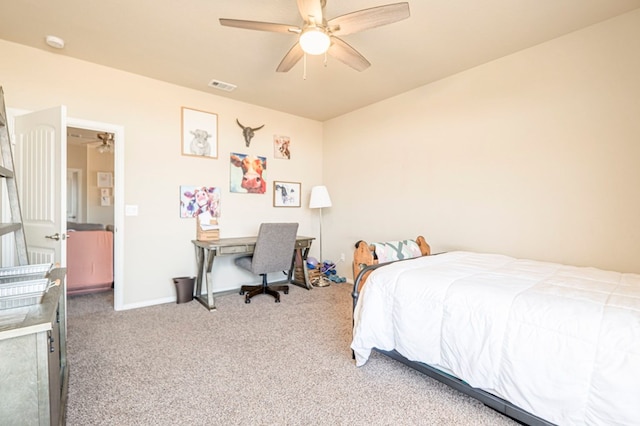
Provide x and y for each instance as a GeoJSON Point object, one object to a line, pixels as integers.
{"type": "Point", "coordinates": [304, 67]}
{"type": "Point", "coordinates": [325, 59]}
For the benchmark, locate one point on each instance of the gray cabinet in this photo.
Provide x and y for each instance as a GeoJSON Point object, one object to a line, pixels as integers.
{"type": "Point", "coordinates": [33, 365]}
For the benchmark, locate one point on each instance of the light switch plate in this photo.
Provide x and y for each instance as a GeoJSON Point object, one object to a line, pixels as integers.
{"type": "Point", "coordinates": [131, 210]}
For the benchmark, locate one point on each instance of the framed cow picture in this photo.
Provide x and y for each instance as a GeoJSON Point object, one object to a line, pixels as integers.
{"type": "Point", "coordinates": [281, 147]}
{"type": "Point", "coordinates": [199, 133]}
{"type": "Point", "coordinates": [286, 194]}
{"type": "Point", "coordinates": [198, 200]}
{"type": "Point", "coordinates": [248, 174]}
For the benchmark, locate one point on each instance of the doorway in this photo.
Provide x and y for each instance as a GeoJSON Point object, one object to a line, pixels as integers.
{"type": "Point", "coordinates": [90, 199]}
{"type": "Point", "coordinates": [95, 159]}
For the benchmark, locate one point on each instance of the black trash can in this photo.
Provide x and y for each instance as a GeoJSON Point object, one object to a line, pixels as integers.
{"type": "Point", "coordinates": [184, 288]}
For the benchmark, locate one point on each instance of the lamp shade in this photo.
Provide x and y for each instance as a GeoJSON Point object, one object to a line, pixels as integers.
{"type": "Point", "coordinates": [319, 197]}
{"type": "Point", "coordinates": [314, 41]}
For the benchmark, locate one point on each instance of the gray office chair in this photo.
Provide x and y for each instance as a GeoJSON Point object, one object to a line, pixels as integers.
{"type": "Point", "coordinates": [274, 252]}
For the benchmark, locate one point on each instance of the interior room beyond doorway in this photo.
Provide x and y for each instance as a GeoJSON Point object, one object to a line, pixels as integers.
{"type": "Point", "coordinates": [90, 207]}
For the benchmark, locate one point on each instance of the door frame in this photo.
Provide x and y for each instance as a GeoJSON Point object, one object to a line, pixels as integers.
{"type": "Point", "coordinates": [118, 194]}
{"type": "Point", "coordinates": [118, 201]}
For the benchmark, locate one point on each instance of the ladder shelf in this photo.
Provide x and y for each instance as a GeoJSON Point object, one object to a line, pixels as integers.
{"type": "Point", "coordinates": [8, 175]}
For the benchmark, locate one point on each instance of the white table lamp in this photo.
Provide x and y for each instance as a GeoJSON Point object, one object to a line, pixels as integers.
{"type": "Point", "coordinates": [320, 199]}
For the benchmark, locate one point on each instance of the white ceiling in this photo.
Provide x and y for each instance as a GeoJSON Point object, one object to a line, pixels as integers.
{"type": "Point", "coordinates": [182, 42]}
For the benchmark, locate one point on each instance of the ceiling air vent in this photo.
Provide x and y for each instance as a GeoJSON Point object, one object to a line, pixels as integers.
{"type": "Point", "coordinates": [217, 84]}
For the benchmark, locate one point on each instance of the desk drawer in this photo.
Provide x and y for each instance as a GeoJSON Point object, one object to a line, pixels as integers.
{"type": "Point", "coordinates": [236, 249]}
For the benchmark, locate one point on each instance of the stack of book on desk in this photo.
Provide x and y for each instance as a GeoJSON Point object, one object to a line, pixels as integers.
{"type": "Point", "coordinates": [207, 228]}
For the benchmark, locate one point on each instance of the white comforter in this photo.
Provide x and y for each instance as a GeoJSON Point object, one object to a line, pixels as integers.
{"type": "Point", "coordinates": [558, 341]}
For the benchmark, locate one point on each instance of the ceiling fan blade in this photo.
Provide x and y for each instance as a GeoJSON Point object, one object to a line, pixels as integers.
{"type": "Point", "coordinates": [291, 58]}
{"type": "Point", "coordinates": [89, 143]}
{"type": "Point", "coordinates": [347, 54]}
{"type": "Point", "coordinates": [311, 10]}
{"type": "Point", "coordinates": [259, 26]}
{"type": "Point", "coordinates": [369, 18]}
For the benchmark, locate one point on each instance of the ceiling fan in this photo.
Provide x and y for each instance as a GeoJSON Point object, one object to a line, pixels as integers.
{"type": "Point", "coordinates": [104, 143]}
{"type": "Point", "coordinates": [318, 35]}
{"type": "Point", "coordinates": [106, 147]}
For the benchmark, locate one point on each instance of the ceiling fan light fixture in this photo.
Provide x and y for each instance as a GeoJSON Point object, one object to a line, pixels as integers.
{"type": "Point", "coordinates": [314, 40]}
{"type": "Point", "coordinates": [106, 147]}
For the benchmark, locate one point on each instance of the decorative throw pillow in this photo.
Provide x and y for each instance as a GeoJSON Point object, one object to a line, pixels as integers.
{"type": "Point", "coordinates": [396, 250]}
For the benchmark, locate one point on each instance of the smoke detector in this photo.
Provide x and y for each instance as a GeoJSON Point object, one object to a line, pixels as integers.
{"type": "Point", "coordinates": [55, 42]}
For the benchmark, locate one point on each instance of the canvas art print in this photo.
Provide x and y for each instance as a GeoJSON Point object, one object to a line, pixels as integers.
{"type": "Point", "coordinates": [197, 200]}
{"type": "Point", "coordinates": [199, 133]}
{"type": "Point", "coordinates": [286, 194]}
{"type": "Point", "coordinates": [281, 147]}
{"type": "Point", "coordinates": [248, 174]}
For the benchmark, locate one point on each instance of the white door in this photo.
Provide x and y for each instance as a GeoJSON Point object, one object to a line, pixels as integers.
{"type": "Point", "coordinates": [41, 165]}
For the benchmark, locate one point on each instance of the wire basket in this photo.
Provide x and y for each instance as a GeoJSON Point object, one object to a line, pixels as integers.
{"type": "Point", "coordinates": [23, 285]}
{"type": "Point", "coordinates": [42, 269]}
{"type": "Point", "coordinates": [20, 300]}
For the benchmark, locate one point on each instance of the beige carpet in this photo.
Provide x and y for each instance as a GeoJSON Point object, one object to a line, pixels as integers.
{"type": "Point", "coordinates": [262, 363]}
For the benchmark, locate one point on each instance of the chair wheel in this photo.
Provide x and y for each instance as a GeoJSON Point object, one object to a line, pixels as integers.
{"type": "Point", "coordinates": [286, 292]}
{"type": "Point", "coordinates": [247, 300]}
{"type": "Point", "coordinates": [277, 300]}
{"type": "Point", "coordinates": [241, 292]}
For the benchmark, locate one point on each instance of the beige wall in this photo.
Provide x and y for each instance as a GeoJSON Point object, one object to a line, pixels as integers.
{"type": "Point", "coordinates": [90, 161]}
{"type": "Point", "coordinates": [157, 243]}
{"type": "Point", "coordinates": [96, 212]}
{"type": "Point", "coordinates": [533, 155]}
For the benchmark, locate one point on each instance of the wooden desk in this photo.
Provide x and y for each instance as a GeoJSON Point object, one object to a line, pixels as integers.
{"type": "Point", "coordinates": [206, 252]}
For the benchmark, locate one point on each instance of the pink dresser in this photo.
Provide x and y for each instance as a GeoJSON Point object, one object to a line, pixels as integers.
{"type": "Point", "coordinates": [89, 261]}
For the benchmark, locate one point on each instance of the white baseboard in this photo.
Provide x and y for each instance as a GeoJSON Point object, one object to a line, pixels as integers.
{"type": "Point", "coordinates": [147, 303]}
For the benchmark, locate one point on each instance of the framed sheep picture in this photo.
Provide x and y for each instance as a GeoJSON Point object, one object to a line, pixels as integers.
{"type": "Point", "coordinates": [199, 133]}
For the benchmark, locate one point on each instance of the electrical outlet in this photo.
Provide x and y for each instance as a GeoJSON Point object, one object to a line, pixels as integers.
{"type": "Point", "coordinates": [342, 258]}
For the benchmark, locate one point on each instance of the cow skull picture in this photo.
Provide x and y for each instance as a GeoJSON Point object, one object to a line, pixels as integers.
{"type": "Point", "coordinates": [248, 132]}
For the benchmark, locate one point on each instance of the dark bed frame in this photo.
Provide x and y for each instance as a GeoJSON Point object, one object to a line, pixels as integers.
{"type": "Point", "coordinates": [498, 404]}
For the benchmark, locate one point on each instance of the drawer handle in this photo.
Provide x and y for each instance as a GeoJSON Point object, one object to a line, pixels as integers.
{"type": "Point", "coordinates": [52, 348]}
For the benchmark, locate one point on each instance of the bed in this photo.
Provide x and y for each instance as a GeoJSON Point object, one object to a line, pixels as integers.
{"type": "Point", "coordinates": [543, 343]}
